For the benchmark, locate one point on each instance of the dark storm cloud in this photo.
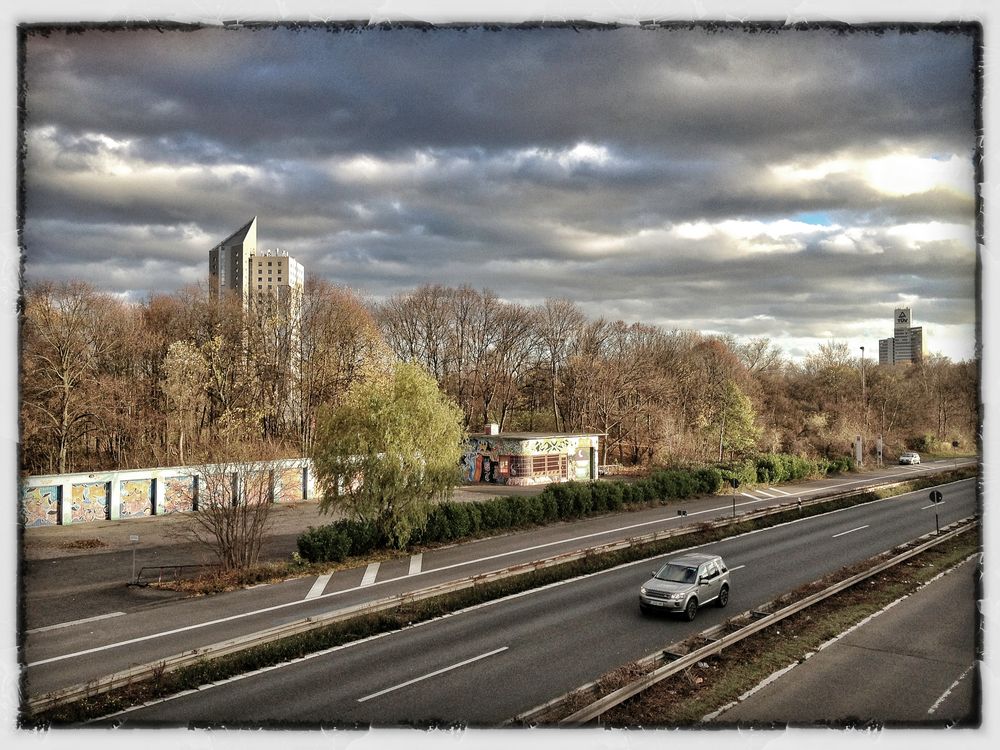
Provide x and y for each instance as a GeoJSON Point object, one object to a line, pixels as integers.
{"type": "Point", "coordinates": [639, 172]}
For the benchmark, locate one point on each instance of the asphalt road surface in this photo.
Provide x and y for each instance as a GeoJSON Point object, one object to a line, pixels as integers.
{"type": "Point", "coordinates": [484, 665]}
{"type": "Point", "coordinates": [873, 676]}
{"type": "Point", "coordinates": [90, 642]}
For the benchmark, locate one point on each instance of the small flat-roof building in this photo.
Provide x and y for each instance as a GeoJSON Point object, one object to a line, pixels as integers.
{"type": "Point", "coordinates": [526, 458]}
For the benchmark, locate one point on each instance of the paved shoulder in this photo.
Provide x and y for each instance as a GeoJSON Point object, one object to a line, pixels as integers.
{"type": "Point", "coordinates": [914, 664]}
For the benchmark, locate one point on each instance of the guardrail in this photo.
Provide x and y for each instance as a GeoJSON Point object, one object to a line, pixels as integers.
{"type": "Point", "coordinates": [177, 570]}
{"type": "Point", "coordinates": [186, 658]}
{"type": "Point", "coordinates": [595, 709]}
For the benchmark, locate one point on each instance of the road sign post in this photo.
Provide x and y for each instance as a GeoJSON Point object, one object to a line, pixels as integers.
{"type": "Point", "coordinates": [937, 498]}
{"type": "Point", "coordinates": [735, 483]}
{"type": "Point", "coordinates": [134, 540]}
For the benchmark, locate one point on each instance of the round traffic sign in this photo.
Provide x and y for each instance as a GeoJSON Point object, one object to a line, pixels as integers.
{"type": "Point", "coordinates": [936, 496]}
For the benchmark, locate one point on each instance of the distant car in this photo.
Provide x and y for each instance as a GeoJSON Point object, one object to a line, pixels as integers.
{"type": "Point", "coordinates": [909, 458]}
{"type": "Point", "coordinates": [686, 583]}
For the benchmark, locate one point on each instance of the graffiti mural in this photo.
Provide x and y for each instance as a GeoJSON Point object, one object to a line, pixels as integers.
{"type": "Point", "coordinates": [40, 506]}
{"type": "Point", "coordinates": [90, 502]}
{"type": "Point", "coordinates": [289, 486]}
{"type": "Point", "coordinates": [178, 494]}
{"type": "Point", "coordinates": [136, 498]}
{"type": "Point", "coordinates": [517, 461]}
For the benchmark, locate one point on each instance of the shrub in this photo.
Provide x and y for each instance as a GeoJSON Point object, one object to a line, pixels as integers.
{"type": "Point", "coordinates": [329, 543]}
{"type": "Point", "coordinates": [709, 480]}
{"type": "Point", "coordinates": [743, 471]}
{"type": "Point", "coordinates": [495, 514]}
{"type": "Point", "coordinates": [458, 519]}
{"type": "Point", "coordinates": [437, 528]}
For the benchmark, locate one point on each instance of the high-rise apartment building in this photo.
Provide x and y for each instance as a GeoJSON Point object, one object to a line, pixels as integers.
{"type": "Point", "coordinates": [234, 266]}
{"type": "Point", "coordinates": [906, 344]}
{"type": "Point", "coordinates": [228, 262]}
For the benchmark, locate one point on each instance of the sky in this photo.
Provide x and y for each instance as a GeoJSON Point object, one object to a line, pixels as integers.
{"type": "Point", "coordinates": [792, 184]}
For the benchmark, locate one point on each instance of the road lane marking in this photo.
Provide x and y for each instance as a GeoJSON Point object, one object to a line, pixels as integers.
{"type": "Point", "coordinates": [431, 674]}
{"type": "Point", "coordinates": [946, 693]}
{"type": "Point", "coordinates": [371, 573]}
{"type": "Point", "coordinates": [319, 585]}
{"type": "Point", "coordinates": [736, 567]}
{"type": "Point", "coordinates": [850, 531]}
{"type": "Point", "coordinates": [766, 494]}
{"type": "Point", "coordinates": [780, 492]}
{"type": "Point", "coordinates": [74, 623]}
{"type": "Point", "coordinates": [295, 603]}
{"type": "Point", "coordinates": [416, 563]}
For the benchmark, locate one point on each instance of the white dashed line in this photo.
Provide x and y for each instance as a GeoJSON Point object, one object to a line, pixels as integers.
{"type": "Point", "coordinates": [318, 587]}
{"type": "Point", "coordinates": [946, 693]}
{"type": "Point", "coordinates": [371, 572]}
{"type": "Point", "coordinates": [416, 563]}
{"type": "Point", "coordinates": [850, 531]}
{"type": "Point", "coordinates": [74, 622]}
{"type": "Point", "coordinates": [432, 674]}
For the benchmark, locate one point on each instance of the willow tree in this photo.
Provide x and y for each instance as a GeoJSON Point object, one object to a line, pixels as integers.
{"type": "Point", "coordinates": [388, 451]}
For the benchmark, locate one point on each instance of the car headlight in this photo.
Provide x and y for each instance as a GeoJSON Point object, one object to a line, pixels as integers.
{"type": "Point", "coordinates": [675, 597]}
{"type": "Point", "coordinates": [642, 590]}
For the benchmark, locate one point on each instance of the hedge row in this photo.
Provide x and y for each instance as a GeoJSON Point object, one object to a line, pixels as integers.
{"type": "Point", "coordinates": [450, 521]}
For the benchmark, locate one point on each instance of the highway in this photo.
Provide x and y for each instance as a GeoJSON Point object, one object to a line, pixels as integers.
{"type": "Point", "coordinates": [489, 663]}
{"type": "Point", "coordinates": [872, 675]}
{"type": "Point", "coordinates": [71, 652]}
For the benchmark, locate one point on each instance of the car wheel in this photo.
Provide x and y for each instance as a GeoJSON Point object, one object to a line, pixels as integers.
{"type": "Point", "coordinates": [691, 609]}
{"type": "Point", "coordinates": [723, 599]}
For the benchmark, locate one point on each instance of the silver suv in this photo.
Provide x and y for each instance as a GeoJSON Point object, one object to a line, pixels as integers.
{"type": "Point", "coordinates": [686, 583]}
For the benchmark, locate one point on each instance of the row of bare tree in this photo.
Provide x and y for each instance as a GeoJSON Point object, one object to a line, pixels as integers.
{"type": "Point", "coordinates": [668, 395]}
{"type": "Point", "coordinates": [107, 383]}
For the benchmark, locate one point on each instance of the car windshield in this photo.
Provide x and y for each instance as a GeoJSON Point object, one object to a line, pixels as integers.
{"type": "Point", "coordinates": [677, 573]}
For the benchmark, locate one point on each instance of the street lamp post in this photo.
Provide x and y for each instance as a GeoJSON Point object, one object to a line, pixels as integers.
{"type": "Point", "coordinates": [864, 407]}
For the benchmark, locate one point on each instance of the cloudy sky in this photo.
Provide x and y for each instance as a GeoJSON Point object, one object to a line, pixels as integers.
{"type": "Point", "coordinates": [791, 184]}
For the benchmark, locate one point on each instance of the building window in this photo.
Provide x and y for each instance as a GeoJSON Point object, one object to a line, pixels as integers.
{"type": "Point", "coordinates": [552, 465]}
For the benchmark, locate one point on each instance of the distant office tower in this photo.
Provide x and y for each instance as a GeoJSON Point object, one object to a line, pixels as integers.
{"type": "Point", "coordinates": [235, 266]}
{"type": "Point", "coordinates": [906, 344]}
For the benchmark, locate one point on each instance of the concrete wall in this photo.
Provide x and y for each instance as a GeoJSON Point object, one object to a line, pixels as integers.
{"type": "Point", "coordinates": [104, 495]}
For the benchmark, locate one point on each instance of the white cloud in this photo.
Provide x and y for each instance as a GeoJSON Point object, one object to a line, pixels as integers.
{"type": "Point", "coordinates": [898, 173]}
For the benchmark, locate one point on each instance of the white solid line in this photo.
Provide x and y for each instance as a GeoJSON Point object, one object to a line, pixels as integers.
{"type": "Point", "coordinates": [432, 674]}
{"type": "Point", "coordinates": [74, 622]}
{"type": "Point", "coordinates": [319, 585]}
{"type": "Point", "coordinates": [851, 531]}
{"type": "Point", "coordinates": [416, 563]}
{"type": "Point", "coordinates": [933, 505]}
{"type": "Point", "coordinates": [371, 572]}
{"type": "Point", "coordinates": [947, 692]}
{"type": "Point", "coordinates": [780, 492]}
{"type": "Point", "coordinates": [766, 494]}
{"type": "Point", "coordinates": [737, 567]}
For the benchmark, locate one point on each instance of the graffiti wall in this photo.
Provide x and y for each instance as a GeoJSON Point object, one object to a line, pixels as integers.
{"type": "Point", "coordinates": [526, 460]}
{"type": "Point", "coordinates": [290, 487]}
{"type": "Point", "coordinates": [178, 494]}
{"type": "Point", "coordinates": [74, 498]}
{"type": "Point", "coordinates": [40, 506]}
{"type": "Point", "coordinates": [90, 502]}
{"type": "Point", "coordinates": [136, 498]}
